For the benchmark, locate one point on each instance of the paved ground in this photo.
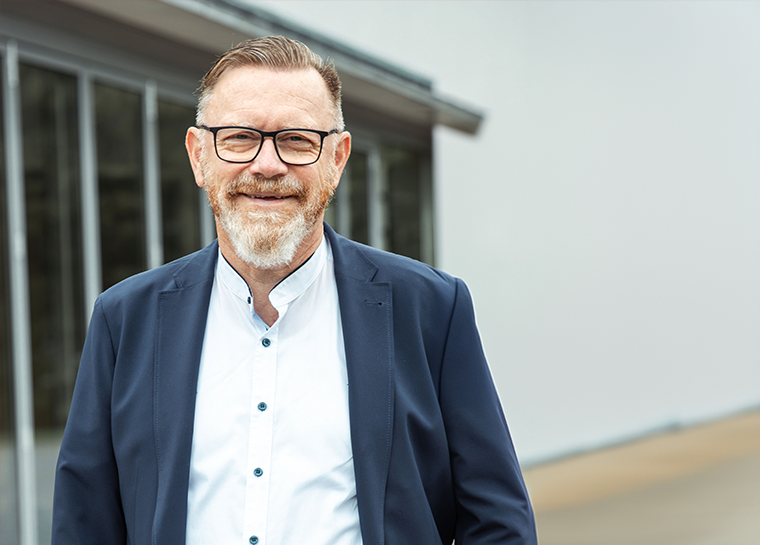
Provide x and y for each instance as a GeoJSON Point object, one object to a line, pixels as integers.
{"type": "Point", "coordinates": [699, 486]}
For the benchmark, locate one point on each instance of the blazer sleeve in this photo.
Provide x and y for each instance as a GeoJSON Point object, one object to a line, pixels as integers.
{"type": "Point", "coordinates": [87, 504]}
{"type": "Point", "coordinates": [491, 499]}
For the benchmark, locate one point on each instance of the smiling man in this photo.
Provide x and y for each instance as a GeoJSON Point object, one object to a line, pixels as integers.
{"type": "Point", "coordinates": [284, 385]}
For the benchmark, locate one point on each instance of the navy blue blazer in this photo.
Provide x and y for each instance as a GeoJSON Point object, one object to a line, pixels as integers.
{"type": "Point", "coordinates": [433, 457]}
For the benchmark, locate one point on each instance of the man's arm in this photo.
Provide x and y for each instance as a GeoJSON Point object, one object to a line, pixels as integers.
{"type": "Point", "coordinates": [492, 502]}
{"type": "Point", "coordinates": [87, 505]}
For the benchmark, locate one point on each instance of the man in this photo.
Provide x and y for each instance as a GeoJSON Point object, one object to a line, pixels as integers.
{"type": "Point", "coordinates": [284, 386]}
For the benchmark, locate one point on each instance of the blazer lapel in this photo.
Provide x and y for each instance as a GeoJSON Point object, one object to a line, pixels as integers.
{"type": "Point", "coordinates": [366, 314]}
{"type": "Point", "coordinates": [182, 317]}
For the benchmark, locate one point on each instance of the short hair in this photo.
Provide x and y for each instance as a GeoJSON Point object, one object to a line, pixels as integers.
{"type": "Point", "coordinates": [274, 52]}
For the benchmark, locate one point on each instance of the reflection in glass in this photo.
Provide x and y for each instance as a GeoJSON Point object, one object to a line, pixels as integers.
{"type": "Point", "coordinates": [404, 202]}
{"type": "Point", "coordinates": [118, 115]}
{"type": "Point", "coordinates": [51, 176]}
{"type": "Point", "coordinates": [180, 207]}
{"type": "Point", "coordinates": [350, 202]}
{"type": "Point", "coordinates": [54, 247]}
{"type": "Point", "coordinates": [357, 197]}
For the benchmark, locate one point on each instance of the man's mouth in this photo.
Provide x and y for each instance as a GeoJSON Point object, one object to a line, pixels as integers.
{"type": "Point", "coordinates": [270, 197]}
{"type": "Point", "coordinates": [265, 196]}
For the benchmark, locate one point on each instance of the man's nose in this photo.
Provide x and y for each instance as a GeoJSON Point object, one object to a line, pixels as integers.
{"type": "Point", "coordinates": [267, 162]}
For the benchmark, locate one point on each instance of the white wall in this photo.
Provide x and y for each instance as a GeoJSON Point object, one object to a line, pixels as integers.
{"type": "Point", "coordinates": [607, 215]}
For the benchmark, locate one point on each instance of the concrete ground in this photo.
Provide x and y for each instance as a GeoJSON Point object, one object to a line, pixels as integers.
{"type": "Point", "coordinates": [698, 486]}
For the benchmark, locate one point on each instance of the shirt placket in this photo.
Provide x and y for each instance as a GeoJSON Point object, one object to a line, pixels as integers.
{"type": "Point", "coordinates": [260, 437]}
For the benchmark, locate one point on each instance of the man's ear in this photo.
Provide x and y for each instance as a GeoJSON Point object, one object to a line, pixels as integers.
{"type": "Point", "coordinates": [342, 152]}
{"type": "Point", "coordinates": [195, 153]}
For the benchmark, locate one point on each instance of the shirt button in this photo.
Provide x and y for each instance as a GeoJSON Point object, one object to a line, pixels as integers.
{"type": "Point", "coordinates": [253, 540]}
{"type": "Point", "coordinates": [262, 406]}
{"type": "Point", "coordinates": [266, 343]}
{"type": "Point", "coordinates": [258, 472]}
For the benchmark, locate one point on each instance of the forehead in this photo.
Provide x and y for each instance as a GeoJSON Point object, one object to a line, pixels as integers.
{"type": "Point", "coordinates": [266, 97]}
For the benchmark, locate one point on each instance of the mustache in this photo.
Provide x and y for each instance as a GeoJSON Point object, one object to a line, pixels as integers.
{"type": "Point", "coordinates": [248, 184]}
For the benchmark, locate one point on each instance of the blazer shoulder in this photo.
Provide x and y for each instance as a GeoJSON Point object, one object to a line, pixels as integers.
{"type": "Point", "coordinates": [409, 277]}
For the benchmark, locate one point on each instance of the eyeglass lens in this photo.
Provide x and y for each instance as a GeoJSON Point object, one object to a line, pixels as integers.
{"type": "Point", "coordinates": [295, 147]}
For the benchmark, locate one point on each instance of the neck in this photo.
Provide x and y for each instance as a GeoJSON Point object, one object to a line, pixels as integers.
{"type": "Point", "coordinates": [262, 281]}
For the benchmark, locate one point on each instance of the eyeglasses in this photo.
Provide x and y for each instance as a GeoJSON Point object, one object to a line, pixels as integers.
{"type": "Point", "coordinates": [297, 147]}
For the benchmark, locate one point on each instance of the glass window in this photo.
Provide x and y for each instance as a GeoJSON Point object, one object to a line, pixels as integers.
{"type": "Point", "coordinates": [54, 249]}
{"type": "Point", "coordinates": [180, 205]}
{"type": "Point", "coordinates": [347, 213]}
{"type": "Point", "coordinates": [54, 238]}
{"type": "Point", "coordinates": [357, 197]}
{"type": "Point", "coordinates": [118, 115]}
{"type": "Point", "coordinates": [403, 195]}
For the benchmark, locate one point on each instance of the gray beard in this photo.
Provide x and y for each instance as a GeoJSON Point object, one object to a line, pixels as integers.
{"type": "Point", "coordinates": [268, 239]}
{"type": "Point", "coordinates": [265, 240]}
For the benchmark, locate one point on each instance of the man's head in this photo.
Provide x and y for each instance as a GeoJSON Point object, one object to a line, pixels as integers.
{"type": "Point", "coordinates": [274, 52]}
{"type": "Point", "coordinates": [268, 210]}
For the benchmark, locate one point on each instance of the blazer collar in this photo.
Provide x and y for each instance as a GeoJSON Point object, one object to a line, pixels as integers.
{"type": "Point", "coordinates": [182, 314]}
{"type": "Point", "coordinates": [367, 317]}
{"type": "Point", "coordinates": [366, 314]}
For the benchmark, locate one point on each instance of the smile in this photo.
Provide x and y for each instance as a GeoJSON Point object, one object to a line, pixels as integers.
{"type": "Point", "coordinates": [265, 196]}
{"type": "Point", "coordinates": [267, 199]}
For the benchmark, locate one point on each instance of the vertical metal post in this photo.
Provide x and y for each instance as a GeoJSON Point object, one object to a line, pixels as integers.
{"type": "Point", "coordinates": [21, 321]}
{"type": "Point", "coordinates": [208, 232]}
{"type": "Point", "coordinates": [376, 205]}
{"type": "Point", "coordinates": [151, 174]}
{"type": "Point", "coordinates": [93, 279]}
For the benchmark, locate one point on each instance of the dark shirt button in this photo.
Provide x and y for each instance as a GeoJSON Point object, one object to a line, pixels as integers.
{"type": "Point", "coordinates": [266, 342]}
{"type": "Point", "coordinates": [253, 540]}
{"type": "Point", "coordinates": [258, 472]}
{"type": "Point", "coordinates": [262, 406]}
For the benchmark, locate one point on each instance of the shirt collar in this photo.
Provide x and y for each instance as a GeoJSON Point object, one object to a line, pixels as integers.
{"type": "Point", "coordinates": [289, 288]}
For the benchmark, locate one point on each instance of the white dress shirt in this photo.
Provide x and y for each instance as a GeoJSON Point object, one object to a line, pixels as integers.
{"type": "Point", "coordinates": [271, 460]}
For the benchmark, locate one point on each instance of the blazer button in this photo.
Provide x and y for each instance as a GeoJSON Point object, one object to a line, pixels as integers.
{"type": "Point", "coordinates": [266, 343]}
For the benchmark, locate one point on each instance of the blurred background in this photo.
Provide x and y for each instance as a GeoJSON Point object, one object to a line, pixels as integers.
{"type": "Point", "coordinates": [590, 169]}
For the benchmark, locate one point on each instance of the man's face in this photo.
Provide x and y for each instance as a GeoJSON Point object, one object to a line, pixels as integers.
{"type": "Point", "coordinates": [267, 209]}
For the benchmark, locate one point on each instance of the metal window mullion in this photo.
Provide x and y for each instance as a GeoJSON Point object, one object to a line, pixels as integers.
{"type": "Point", "coordinates": [151, 174]}
{"type": "Point", "coordinates": [88, 153]}
{"type": "Point", "coordinates": [20, 310]}
{"type": "Point", "coordinates": [376, 205]}
{"type": "Point", "coordinates": [207, 223]}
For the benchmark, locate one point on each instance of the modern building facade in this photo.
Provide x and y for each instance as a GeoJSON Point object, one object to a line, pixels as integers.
{"type": "Point", "coordinates": [96, 99]}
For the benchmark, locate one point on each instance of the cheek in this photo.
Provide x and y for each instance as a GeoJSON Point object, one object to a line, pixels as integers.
{"type": "Point", "coordinates": [214, 177]}
{"type": "Point", "coordinates": [328, 175]}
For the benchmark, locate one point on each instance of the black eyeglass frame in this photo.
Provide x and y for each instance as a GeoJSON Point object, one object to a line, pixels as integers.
{"type": "Point", "coordinates": [273, 136]}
